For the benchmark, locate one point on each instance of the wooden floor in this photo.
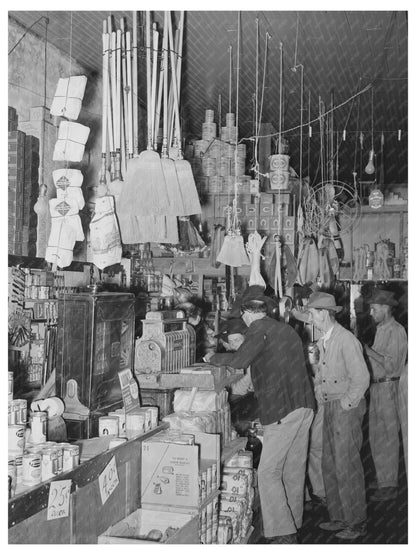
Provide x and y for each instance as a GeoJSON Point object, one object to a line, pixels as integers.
{"type": "Point", "coordinates": [387, 521]}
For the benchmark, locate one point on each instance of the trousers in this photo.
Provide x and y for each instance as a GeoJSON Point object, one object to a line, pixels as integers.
{"type": "Point", "coordinates": [403, 410]}
{"type": "Point", "coordinates": [315, 454]}
{"type": "Point", "coordinates": [384, 426]}
{"type": "Point", "coordinates": [281, 472]}
{"type": "Point", "coordinates": [341, 465]}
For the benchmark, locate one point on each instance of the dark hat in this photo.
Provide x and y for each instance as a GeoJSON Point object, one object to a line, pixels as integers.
{"type": "Point", "coordinates": [230, 326]}
{"type": "Point", "coordinates": [253, 293]}
{"type": "Point", "coordinates": [323, 301]}
{"type": "Point", "coordinates": [381, 296]}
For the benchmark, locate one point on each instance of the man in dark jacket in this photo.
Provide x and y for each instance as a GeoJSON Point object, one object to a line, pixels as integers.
{"type": "Point", "coordinates": [274, 352]}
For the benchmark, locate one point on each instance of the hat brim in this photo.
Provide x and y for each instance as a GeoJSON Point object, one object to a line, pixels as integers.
{"type": "Point", "coordinates": [374, 300]}
{"type": "Point", "coordinates": [335, 309]}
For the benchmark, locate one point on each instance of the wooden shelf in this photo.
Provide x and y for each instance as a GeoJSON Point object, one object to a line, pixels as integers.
{"type": "Point", "coordinates": [385, 209]}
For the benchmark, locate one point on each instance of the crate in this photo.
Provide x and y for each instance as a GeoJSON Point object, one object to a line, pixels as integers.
{"type": "Point", "coordinates": [138, 524]}
{"type": "Point", "coordinates": [158, 397]}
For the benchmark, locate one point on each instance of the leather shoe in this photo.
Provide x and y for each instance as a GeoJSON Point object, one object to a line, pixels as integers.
{"type": "Point", "coordinates": [288, 538]}
{"type": "Point", "coordinates": [351, 533]}
{"type": "Point", "coordinates": [332, 526]}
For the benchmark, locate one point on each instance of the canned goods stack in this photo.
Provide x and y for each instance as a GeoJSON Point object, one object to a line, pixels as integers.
{"type": "Point", "coordinates": [215, 159]}
{"type": "Point", "coordinates": [124, 425]}
{"type": "Point", "coordinates": [208, 523]}
{"type": "Point", "coordinates": [237, 494]}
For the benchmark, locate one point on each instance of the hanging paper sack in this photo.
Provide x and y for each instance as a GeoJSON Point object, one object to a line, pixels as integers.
{"type": "Point", "coordinates": [68, 183]}
{"type": "Point", "coordinates": [104, 234]}
{"type": "Point", "coordinates": [71, 141]}
{"type": "Point", "coordinates": [68, 97]}
{"type": "Point", "coordinates": [65, 230]}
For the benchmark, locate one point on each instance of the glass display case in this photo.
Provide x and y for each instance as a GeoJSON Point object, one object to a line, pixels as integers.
{"type": "Point", "coordinates": [95, 341]}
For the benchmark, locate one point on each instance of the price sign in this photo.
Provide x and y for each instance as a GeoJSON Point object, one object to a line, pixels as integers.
{"type": "Point", "coordinates": [108, 480]}
{"type": "Point", "coordinates": [58, 502]}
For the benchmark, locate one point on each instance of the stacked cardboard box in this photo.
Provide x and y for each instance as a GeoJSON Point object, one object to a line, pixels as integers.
{"type": "Point", "coordinates": [16, 160]}
{"type": "Point", "coordinates": [23, 164]}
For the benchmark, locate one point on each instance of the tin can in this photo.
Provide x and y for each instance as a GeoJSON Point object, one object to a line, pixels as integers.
{"type": "Point", "coordinates": [209, 116]}
{"type": "Point", "coordinates": [225, 529]}
{"type": "Point", "coordinates": [60, 456]}
{"type": "Point", "coordinates": [230, 119]}
{"type": "Point", "coordinates": [16, 436]}
{"type": "Point", "coordinates": [154, 416]}
{"type": "Point", "coordinates": [12, 474]}
{"type": "Point", "coordinates": [38, 426]}
{"type": "Point", "coordinates": [50, 464]}
{"type": "Point", "coordinates": [19, 406]}
{"type": "Point", "coordinates": [10, 385]}
{"type": "Point", "coordinates": [18, 462]}
{"type": "Point", "coordinates": [135, 424]}
{"type": "Point", "coordinates": [70, 457]}
{"type": "Point", "coordinates": [15, 412]}
{"type": "Point", "coordinates": [32, 471]}
{"type": "Point", "coordinates": [108, 425]}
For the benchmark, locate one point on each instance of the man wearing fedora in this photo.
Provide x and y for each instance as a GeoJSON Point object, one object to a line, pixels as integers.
{"type": "Point", "coordinates": [387, 359]}
{"type": "Point", "coordinates": [341, 381]}
{"type": "Point", "coordinates": [274, 352]}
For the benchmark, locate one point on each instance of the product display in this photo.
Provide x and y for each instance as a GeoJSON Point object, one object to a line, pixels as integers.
{"type": "Point", "coordinates": [207, 277]}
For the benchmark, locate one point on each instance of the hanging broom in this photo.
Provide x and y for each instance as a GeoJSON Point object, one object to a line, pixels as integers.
{"type": "Point", "coordinates": [102, 187]}
{"type": "Point", "coordinates": [232, 251]}
{"type": "Point", "coordinates": [144, 191]}
{"type": "Point", "coordinates": [183, 167]}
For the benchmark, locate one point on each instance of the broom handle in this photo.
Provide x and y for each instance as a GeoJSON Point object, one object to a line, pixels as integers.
{"type": "Point", "coordinates": [104, 110]}
{"type": "Point", "coordinates": [148, 83]}
{"type": "Point", "coordinates": [129, 95]}
{"type": "Point", "coordinates": [154, 80]}
{"type": "Point", "coordinates": [179, 62]}
{"type": "Point", "coordinates": [118, 109]}
{"type": "Point", "coordinates": [113, 101]}
{"type": "Point", "coordinates": [124, 89]}
{"type": "Point", "coordinates": [135, 99]}
{"type": "Point", "coordinates": [165, 88]}
{"type": "Point", "coordinates": [175, 90]}
{"type": "Point", "coordinates": [171, 113]}
{"type": "Point", "coordinates": [158, 107]}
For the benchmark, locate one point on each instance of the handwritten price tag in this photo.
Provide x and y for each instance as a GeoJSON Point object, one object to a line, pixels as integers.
{"type": "Point", "coordinates": [108, 480]}
{"type": "Point", "coordinates": [58, 502]}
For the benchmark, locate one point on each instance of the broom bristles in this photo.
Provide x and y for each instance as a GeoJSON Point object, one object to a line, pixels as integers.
{"type": "Point", "coordinates": [174, 190]}
{"type": "Point", "coordinates": [188, 187]}
{"type": "Point", "coordinates": [144, 191]}
{"type": "Point", "coordinates": [232, 252]}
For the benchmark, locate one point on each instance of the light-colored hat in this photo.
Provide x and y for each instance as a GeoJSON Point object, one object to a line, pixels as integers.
{"type": "Point", "coordinates": [323, 301]}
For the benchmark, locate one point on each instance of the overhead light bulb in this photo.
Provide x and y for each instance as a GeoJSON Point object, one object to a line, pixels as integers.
{"type": "Point", "coordinates": [370, 169]}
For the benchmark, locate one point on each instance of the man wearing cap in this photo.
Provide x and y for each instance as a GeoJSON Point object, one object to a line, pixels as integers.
{"type": "Point", "coordinates": [387, 358]}
{"type": "Point", "coordinates": [284, 393]}
{"type": "Point", "coordinates": [340, 383]}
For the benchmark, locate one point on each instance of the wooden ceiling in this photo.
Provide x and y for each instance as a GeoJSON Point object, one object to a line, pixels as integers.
{"type": "Point", "coordinates": [340, 53]}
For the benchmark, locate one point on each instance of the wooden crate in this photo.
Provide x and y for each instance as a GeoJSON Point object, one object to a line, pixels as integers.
{"type": "Point", "coordinates": [88, 517]}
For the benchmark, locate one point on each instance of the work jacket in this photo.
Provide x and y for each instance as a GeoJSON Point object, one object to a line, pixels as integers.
{"type": "Point", "coordinates": [341, 372]}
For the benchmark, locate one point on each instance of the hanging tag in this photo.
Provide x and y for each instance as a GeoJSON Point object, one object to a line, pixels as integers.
{"type": "Point", "coordinates": [58, 501]}
{"type": "Point", "coordinates": [108, 480]}
{"type": "Point", "coordinates": [362, 139]}
{"type": "Point", "coordinates": [399, 135]}
{"type": "Point", "coordinates": [310, 131]}
{"type": "Point", "coordinates": [344, 135]}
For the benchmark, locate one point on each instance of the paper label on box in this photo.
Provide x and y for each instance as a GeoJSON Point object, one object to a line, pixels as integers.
{"type": "Point", "coordinates": [108, 480]}
{"type": "Point", "coordinates": [58, 501]}
{"type": "Point", "coordinates": [170, 474]}
{"type": "Point", "coordinates": [129, 389]}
